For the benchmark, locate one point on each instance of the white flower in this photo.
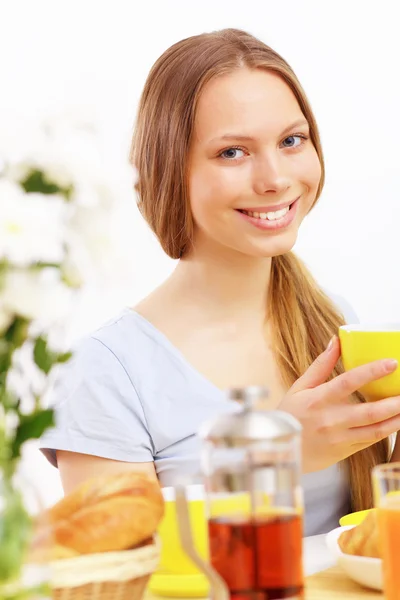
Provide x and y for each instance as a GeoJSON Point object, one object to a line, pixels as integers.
{"type": "Point", "coordinates": [107, 189]}
{"type": "Point", "coordinates": [25, 379]}
{"type": "Point", "coordinates": [68, 161]}
{"type": "Point", "coordinates": [31, 226]}
{"type": "Point", "coordinates": [90, 246]}
{"type": "Point", "coordinates": [71, 152]}
{"type": "Point", "coordinates": [87, 236]}
{"type": "Point", "coordinates": [37, 295]}
{"type": "Point", "coordinates": [20, 137]}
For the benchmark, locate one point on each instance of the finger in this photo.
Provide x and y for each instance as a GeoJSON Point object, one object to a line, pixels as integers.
{"type": "Point", "coordinates": [346, 384]}
{"type": "Point", "coordinates": [321, 368]}
{"type": "Point", "coordinates": [369, 413]}
{"type": "Point", "coordinates": [371, 434]}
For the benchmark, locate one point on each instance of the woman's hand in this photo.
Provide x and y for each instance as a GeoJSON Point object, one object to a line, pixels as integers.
{"type": "Point", "coordinates": [334, 426]}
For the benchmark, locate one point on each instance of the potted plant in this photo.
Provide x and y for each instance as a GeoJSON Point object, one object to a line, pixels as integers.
{"type": "Point", "coordinates": [63, 203]}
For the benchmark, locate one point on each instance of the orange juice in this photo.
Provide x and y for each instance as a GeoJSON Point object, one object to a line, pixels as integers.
{"type": "Point", "coordinates": [389, 531]}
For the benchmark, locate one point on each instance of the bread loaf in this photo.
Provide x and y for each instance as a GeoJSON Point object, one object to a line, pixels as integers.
{"type": "Point", "coordinates": [109, 513]}
{"type": "Point", "coordinates": [362, 540]}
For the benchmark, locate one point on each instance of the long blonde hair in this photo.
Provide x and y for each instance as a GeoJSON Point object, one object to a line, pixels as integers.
{"type": "Point", "coordinates": [302, 317]}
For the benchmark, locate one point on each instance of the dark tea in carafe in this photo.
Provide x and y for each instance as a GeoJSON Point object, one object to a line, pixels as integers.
{"type": "Point", "coordinates": [260, 559]}
{"type": "Point", "coordinates": [251, 463]}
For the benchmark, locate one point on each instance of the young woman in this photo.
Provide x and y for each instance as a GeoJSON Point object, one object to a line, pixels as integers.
{"type": "Point", "coordinates": [229, 163]}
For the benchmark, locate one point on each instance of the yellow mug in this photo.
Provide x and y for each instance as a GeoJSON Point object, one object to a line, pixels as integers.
{"type": "Point", "coordinates": [362, 344]}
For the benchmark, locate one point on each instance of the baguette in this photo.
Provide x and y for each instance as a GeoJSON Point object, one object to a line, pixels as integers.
{"type": "Point", "coordinates": [109, 513]}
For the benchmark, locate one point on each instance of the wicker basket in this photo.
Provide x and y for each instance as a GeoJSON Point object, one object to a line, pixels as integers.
{"type": "Point", "coordinates": [108, 576]}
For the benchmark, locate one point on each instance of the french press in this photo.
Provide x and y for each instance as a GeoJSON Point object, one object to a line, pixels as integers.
{"type": "Point", "coordinates": [251, 467]}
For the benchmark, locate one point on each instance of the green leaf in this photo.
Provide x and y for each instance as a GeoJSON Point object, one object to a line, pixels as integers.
{"type": "Point", "coordinates": [3, 271]}
{"type": "Point", "coordinates": [8, 400]}
{"type": "Point", "coordinates": [31, 427]}
{"type": "Point", "coordinates": [63, 358]}
{"type": "Point", "coordinates": [3, 377]}
{"type": "Point", "coordinates": [42, 356]}
{"type": "Point", "coordinates": [45, 358]}
{"type": "Point", "coordinates": [11, 339]}
{"type": "Point", "coordinates": [38, 266]}
{"type": "Point", "coordinates": [5, 451]}
{"type": "Point", "coordinates": [5, 359]}
{"type": "Point", "coordinates": [15, 527]}
{"type": "Point", "coordinates": [39, 182]}
{"type": "Point", "coordinates": [17, 332]}
{"type": "Point", "coordinates": [36, 182]}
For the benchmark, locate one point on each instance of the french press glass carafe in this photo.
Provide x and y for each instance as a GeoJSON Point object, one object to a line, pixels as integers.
{"type": "Point", "coordinates": [251, 465]}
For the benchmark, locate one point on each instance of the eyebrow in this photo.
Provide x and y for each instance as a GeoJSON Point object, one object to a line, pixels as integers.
{"type": "Point", "coordinates": [247, 138]}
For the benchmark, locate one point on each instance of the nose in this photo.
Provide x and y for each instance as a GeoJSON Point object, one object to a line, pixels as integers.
{"type": "Point", "coordinates": [270, 176]}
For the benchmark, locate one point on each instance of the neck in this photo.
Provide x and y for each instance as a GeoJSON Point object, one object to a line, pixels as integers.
{"type": "Point", "coordinates": [225, 284]}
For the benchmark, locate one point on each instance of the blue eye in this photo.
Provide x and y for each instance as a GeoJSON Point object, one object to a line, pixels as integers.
{"type": "Point", "coordinates": [292, 141]}
{"type": "Point", "coordinates": [232, 153]}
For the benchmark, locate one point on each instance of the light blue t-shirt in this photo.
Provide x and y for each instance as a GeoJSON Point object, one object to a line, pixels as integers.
{"type": "Point", "coordinates": [128, 394]}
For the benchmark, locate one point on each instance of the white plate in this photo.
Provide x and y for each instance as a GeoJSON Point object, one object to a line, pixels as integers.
{"type": "Point", "coordinates": [363, 570]}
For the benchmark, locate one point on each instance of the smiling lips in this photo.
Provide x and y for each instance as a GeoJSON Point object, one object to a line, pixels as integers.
{"type": "Point", "coordinates": [267, 219]}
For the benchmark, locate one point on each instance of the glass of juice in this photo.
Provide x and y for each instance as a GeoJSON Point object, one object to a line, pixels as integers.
{"type": "Point", "coordinates": [386, 484]}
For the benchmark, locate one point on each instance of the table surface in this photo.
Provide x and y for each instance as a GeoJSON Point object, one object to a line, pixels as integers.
{"type": "Point", "coordinates": [333, 584]}
{"type": "Point", "coordinates": [324, 579]}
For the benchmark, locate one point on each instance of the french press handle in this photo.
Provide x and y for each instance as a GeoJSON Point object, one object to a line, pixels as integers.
{"type": "Point", "coordinates": [219, 589]}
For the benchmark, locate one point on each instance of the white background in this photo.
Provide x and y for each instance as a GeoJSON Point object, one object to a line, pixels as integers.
{"type": "Point", "coordinates": [346, 53]}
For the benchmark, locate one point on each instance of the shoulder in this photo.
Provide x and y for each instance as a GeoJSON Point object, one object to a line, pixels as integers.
{"type": "Point", "coordinates": [121, 358]}
{"type": "Point", "coordinates": [343, 306]}
{"type": "Point", "coordinates": [122, 341]}
{"type": "Point", "coordinates": [118, 331]}
{"type": "Point", "coordinates": [99, 362]}
{"type": "Point", "coordinates": [98, 408]}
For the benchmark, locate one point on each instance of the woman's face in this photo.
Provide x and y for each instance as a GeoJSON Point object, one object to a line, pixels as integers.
{"type": "Point", "coordinates": [253, 170]}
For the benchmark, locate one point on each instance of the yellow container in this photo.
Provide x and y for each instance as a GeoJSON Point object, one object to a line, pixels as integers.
{"type": "Point", "coordinates": [173, 558]}
{"type": "Point", "coordinates": [363, 344]}
{"type": "Point", "coordinates": [177, 576]}
{"type": "Point", "coordinates": [354, 518]}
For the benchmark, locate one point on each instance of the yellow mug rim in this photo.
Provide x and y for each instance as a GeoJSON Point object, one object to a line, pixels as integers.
{"type": "Point", "coordinates": [371, 328]}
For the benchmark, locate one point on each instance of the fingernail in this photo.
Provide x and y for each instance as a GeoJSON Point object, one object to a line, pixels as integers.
{"type": "Point", "coordinates": [330, 345]}
{"type": "Point", "coordinates": [391, 364]}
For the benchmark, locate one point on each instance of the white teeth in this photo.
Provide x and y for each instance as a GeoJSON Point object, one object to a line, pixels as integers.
{"type": "Point", "coordinates": [270, 216]}
{"type": "Point", "coordinates": [274, 216]}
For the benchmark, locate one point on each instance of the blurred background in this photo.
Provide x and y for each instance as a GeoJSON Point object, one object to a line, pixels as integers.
{"type": "Point", "coordinates": [95, 55]}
